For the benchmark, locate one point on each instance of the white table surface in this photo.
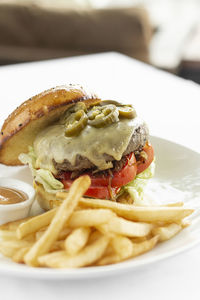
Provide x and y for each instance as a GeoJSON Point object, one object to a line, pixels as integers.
{"type": "Point", "coordinates": [171, 107]}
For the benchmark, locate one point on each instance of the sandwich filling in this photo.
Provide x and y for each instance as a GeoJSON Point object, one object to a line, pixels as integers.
{"type": "Point", "coordinates": [108, 142]}
{"type": "Point", "coordinates": [100, 146]}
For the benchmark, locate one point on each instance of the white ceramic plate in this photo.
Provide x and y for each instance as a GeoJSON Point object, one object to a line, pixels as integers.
{"type": "Point", "coordinates": [177, 179]}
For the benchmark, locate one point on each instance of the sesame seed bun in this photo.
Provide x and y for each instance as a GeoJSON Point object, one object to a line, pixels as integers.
{"type": "Point", "coordinates": [26, 121]}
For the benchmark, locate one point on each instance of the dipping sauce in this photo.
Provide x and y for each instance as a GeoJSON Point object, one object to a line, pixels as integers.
{"type": "Point", "coordinates": [11, 196]}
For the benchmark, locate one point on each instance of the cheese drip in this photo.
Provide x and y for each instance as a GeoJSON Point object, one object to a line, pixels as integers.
{"type": "Point", "coordinates": [92, 143]}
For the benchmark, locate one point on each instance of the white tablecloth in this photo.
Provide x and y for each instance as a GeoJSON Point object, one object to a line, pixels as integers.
{"type": "Point", "coordinates": [171, 107]}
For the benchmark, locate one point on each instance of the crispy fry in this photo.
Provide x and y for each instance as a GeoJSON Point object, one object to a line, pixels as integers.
{"type": "Point", "coordinates": [77, 240]}
{"type": "Point", "coordinates": [139, 248]}
{"type": "Point", "coordinates": [108, 260]}
{"type": "Point", "coordinates": [18, 257]}
{"type": "Point", "coordinates": [90, 217]}
{"type": "Point", "coordinates": [174, 204]}
{"type": "Point", "coordinates": [83, 231]}
{"type": "Point", "coordinates": [14, 224]}
{"type": "Point", "coordinates": [57, 246]}
{"type": "Point", "coordinates": [122, 246]}
{"type": "Point", "coordinates": [94, 236]}
{"type": "Point", "coordinates": [109, 250]}
{"type": "Point", "coordinates": [53, 257]}
{"type": "Point", "coordinates": [140, 239]}
{"type": "Point", "coordinates": [121, 226]}
{"type": "Point", "coordinates": [167, 232]}
{"type": "Point", "coordinates": [62, 235]}
{"type": "Point", "coordinates": [39, 233]}
{"type": "Point", "coordinates": [43, 245]}
{"type": "Point", "coordinates": [185, 223]}
{"type": "Point", "coordinates": [35, 223]}
{"type": "Point", "coordinates": [140, 213]}
{"type": "Point", "coordinates": [7, 251]}
{"type": "Point", "coordinates": [87, 256]}
{"type": "Point", "coordinates": [8, 234]}
{"type": "Point", "coordinates": [9, 248]}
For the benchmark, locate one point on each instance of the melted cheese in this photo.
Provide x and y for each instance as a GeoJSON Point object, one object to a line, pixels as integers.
{"type": "Point", "coordinates": [92, 143]}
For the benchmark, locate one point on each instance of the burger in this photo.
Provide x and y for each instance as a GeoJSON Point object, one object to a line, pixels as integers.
{"type": "Point", "coordinates": [66, 132]}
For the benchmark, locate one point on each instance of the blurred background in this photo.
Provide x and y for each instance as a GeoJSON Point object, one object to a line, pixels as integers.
{"type": "Point", "coordinates": [163, 33]}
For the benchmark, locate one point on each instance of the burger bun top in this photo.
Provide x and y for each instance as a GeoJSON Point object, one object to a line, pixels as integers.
{"type": "Point", "coordinates": [26, 121]}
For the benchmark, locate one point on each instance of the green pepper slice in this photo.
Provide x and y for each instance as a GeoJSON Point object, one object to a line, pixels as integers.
{"type": "Point", "coordinates": [100, 116]}
{"type": "Point", "coordinates": [75, 123]}
{"type": "Point", "coordinates": [127, 111]}
{"type": "Point", "coordinates": [106, 102]}
{"type": "Point", "coordinates": [74, 108]}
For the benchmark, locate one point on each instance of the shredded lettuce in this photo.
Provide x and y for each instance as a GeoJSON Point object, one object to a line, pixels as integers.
{"type": "Point", "coordinates": [136, 187]}
{"type": "Point", "coordinates": [45, 177]}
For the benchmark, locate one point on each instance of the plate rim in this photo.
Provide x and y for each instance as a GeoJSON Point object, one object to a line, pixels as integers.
{"type": "Point", "coordinates": [92, 272]}
{"type": "Point", "coordinates": [20, 271]}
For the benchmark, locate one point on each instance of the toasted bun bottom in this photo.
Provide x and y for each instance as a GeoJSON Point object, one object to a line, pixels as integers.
{"type": "Point", "coordinates": [49, 201]}
{"type": "Point", "coordinates": [46, 200]}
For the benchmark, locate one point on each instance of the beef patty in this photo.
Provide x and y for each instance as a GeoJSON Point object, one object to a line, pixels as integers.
{"type": "Point", "coordinates": [137, 142]}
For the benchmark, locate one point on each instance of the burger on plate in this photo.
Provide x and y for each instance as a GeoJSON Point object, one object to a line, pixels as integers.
{"type": "Point", "coordinates": [66, 132]}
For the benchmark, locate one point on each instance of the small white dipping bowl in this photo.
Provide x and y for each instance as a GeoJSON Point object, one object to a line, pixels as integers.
{"type": "Point", "coordinates": [12, 212]}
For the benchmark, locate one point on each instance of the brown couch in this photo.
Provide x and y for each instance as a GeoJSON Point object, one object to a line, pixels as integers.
{"type": "Point", "coordinates": [31, 32]}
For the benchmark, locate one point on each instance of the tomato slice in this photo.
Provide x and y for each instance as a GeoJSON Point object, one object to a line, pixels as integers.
{"type": "Point", "coordinates": [120, 178]}
{"type": "Point", "coordinates": [144, 163]}
{"type": "Point", "coordinates": [107, 187]}
{"type": "Point", "coordinates": [102, 192]}
{"type": "Point", "coordinates": [127, 173]}
{"type": "Point", "coordinates": [103, 186]}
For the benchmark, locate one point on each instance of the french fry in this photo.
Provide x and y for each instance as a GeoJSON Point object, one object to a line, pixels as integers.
{"type": "Point", "coordinates": [30, 238]}
{"type": "Point", "coordinates": [90, 217]}
{"type": "Point", "coordinates": [140, 248]}
{"type": "Point", "coordinates": [7, 251]}
{"type": "Point", "coordinates": [13, 225]}
{"type": "Point", "coordinates": [151, 214]}
{"type": "Point", "coordinates": [15, 243]}
{"type": "Point", "coordinates": [34, 224]}
{"type": "Point", "coordinates": [167, 232]}
{"type": "Point", "coordinates": [18, 256]}
{"type": "Point", "coordinates": [84, 232]}
{"type": "Point", "coordinates": [121, 226]}
{"type": "Point", "coordinates": [77, 240]}
{"type": "Point", "coordinates": [122, 246]}
{"type": "Point", "coordinates": [39, 233]}
{"type": "Point", "coordinates": [108, 260]}
{"type": "Point", "coordinates": [53, 257]}
{"type": "Point", "coordinates": [57, 246]}
{"type": "Point", "coordinates": [83, 218]}
{"type": "Point", "coordinates": [185, 223]}
{"type": "Point", "coordinates": [8, 234]}
{"type": "Point", "coordinates": [174, 204]}
{"type": "Point", "coordinates": [87, 256]}
{"type": "Point", "coordinates": [9, 248]}
{"type": "Point", "coordinates": [94, 236]}
{"type": "Point", "coordinates": [109, 250]}
{"type": "Point", "coordinates": [140, 239]}
{"type": "Point", "coordinates": [63, 213]}
{"type": "Point", "coordinates": [62, 235]}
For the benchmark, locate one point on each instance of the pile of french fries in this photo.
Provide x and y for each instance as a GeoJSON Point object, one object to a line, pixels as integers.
{"type": "Point", "coordinates": [87, 232]}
